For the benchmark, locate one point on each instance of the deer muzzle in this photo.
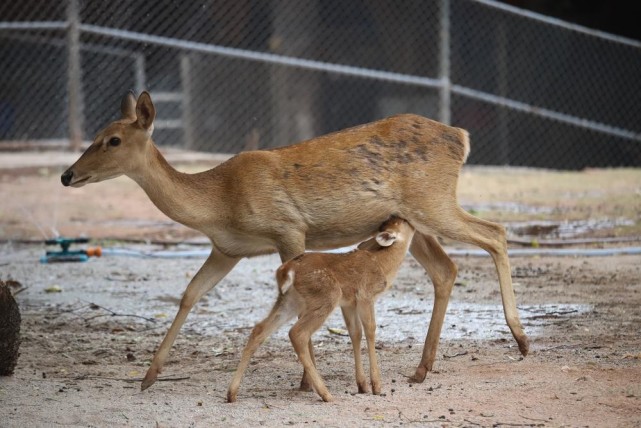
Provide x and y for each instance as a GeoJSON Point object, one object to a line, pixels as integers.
{"type": "Point", "coordinates": [66, 177]}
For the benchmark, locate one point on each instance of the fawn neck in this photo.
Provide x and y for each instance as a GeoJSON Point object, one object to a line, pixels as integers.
{"type": "Point", "coordinates": [390, 258]}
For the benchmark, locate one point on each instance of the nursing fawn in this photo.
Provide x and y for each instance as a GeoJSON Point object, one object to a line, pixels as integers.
{"type": "Point", "coordinates": [312, 285]}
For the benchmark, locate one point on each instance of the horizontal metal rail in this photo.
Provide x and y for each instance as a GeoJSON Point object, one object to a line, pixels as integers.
{"type": "Point", "coordinates": [560, 23]}
{"type": "Point", "coordinates": [34, 25]}
{"type": "Point", "coordinates": [548, 114]}
{"type": "Point", "coordinates": [261, 56]}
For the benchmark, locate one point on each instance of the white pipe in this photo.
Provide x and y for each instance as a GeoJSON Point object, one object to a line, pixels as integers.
{"type": "Point", "coordinates": [516, 252]}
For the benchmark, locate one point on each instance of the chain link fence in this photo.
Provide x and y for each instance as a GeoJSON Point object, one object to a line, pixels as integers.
{"type": "Point", "coordinates": [228, 76]}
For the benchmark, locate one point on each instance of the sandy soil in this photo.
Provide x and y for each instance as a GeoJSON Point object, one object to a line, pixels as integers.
{"type": "Point", "coordinates": [86, 346]}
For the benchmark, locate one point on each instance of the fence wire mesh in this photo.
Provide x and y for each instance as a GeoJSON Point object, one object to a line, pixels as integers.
{"type": "Point", "coordinates": [228, 76]}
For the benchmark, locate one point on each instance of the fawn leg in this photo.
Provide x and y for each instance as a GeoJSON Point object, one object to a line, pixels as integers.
{"type": "Point", "coordinates": [290, 247]}
{"type": "Point", "coordinates": [282, 312]}
{"type": "Point", "coordinates": [368, 319]}
{"type": "Point", "coordinates": [353, 324]}
{"type": "Point", "coordinates": [212, 271]}
{"type": "Point", "coordinates": [305, 382]}
{"type": "Point", "coordinates": [300, 336]}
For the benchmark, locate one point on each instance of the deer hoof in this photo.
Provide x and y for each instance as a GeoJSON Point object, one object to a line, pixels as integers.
{"type": "Point", "coordinates": [150, 379]}
{"type": "Point", "coordinates": [419, 375]}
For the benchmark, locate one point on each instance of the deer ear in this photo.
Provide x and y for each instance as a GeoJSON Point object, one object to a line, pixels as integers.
{"type": "Point", "coordinates": [385, 239]}
{"type": "Point", "coordinates": [128, 106]}
{"type": "Point", "coordinates": [145, 112]}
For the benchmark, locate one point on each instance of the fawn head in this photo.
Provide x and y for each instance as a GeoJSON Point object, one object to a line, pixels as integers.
{"type": "Point", "coordinates": [119, 148]}
{"type": "Point", "coordinates": [392, 230]}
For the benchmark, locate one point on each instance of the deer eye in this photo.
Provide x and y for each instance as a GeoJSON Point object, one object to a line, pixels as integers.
{"type": "Point", "coordinates": [114, 141]}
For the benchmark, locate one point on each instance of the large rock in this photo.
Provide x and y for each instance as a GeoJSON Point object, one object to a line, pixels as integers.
{"type": "Point", "coordinates": [9, 331]}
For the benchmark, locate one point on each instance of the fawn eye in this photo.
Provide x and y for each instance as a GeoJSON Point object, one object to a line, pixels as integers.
{"type": "Point", "coordinates": [114, 141]}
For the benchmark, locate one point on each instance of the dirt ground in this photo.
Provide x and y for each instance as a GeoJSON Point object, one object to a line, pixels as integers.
{"type": "Point", "coordinates": [89, 330]}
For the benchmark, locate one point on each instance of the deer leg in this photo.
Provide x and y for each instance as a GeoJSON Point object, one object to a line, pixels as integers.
{"type": "Point", "coordinates": [305, 382]}
{"type": "Point", "coordinates": [288, 248]}
{"type": "Point", "coordinates": [465, 227]}
{"type": "Point", "coordinates": [353, 324]}
{"type": "Point", "coordinates": [282, 312]}
{"type": "Point", "coordinates": [300, 336]}
{"type": "Point", "coordinates": [442, 271]}
{"type": "Point", "coordinates": [368, 319]}
{"type": "Point", "coordinates": [212, 271]}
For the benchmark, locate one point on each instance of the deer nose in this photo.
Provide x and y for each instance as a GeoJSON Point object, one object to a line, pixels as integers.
{"type": "Point", "coordinates": [66, 177]}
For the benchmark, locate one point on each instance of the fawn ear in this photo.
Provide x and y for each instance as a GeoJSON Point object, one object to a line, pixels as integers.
{"type": "Point", "coordinates": [145, 112]}
{"type": "Point", "coordinates": [128, 106]}
{"type": "Point", "coordinates": [385, 239]}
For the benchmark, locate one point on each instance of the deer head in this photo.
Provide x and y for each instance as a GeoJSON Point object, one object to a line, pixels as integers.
{"type": "Point", "coordinates": [390, 231]}
{"type": "Point", "coordinates": [120, 148]}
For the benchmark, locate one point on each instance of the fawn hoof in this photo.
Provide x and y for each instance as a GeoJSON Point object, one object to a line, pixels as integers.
{"type": "Point", "coordinates": [327, 397]}
{"type": "Point", "coordinates": [150, 378]}
{"type": "Point", "coordinates": [376, 389]}
{"type": "Point", "coordinates": [231, 397]}
{"type": "Point", "coordinates": [305, 386]}
{"type": "Point", "coordinates": [362, 388]}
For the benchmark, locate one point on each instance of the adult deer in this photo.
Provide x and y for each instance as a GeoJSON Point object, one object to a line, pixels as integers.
{"type": "Point", "coordinates": [328, 192]}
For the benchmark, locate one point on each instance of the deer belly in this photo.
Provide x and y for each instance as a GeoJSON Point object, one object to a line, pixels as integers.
{"type": "Point", "coordinates": [235, 244]}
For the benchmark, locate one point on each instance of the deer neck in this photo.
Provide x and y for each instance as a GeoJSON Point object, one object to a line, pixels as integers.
{"type": "Point", "coordinates": [390, 258]}
{"type": "Point", "coordinates": [180, 196]}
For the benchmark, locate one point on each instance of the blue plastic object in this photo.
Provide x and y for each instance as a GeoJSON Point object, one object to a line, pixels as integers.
{"type": "Point", "coordinates": [65, 255]}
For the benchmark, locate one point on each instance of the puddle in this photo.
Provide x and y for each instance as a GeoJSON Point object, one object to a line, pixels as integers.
{"type": "Point", "coordinates": [546, 229]}
{"type": "Point", "coordinates": [564, 229]}
{"type": "Point", "coordinates": [152, 288]}
{"type": "Point", "coordinates": [401, 320]}
{"type": "Point", "coordinates": [508, 207]}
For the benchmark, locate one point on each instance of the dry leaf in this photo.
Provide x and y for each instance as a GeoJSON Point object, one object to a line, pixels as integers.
{"type": "Point", "coordinates": [338, 331]}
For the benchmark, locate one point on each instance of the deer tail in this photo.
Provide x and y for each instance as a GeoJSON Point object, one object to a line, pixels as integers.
{"type": "Point", "coordinates": [285, 277]}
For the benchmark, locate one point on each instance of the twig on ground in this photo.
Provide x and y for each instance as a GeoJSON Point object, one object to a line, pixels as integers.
{"type": "Point", "coordinates": [134, 379]}
{"type": "Point", "coordinates": [402, 416]}
{"type": "Point", "coordinates": [460, 354]}
{"type": "Point", "coordinates": [114, 314]}
{"type": "Point", "coordinates": [266, 405]}
{"type": "Point", "coordinates": [533, 419]}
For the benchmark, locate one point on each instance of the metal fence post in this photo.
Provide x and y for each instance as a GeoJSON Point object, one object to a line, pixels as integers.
{"type": "Point", "coordinates": [187, 119]}
{"type": "Point", "coordinates": [502, 70]}
{"type": "Point", "coordinates": [141, 78]}
{"type": "Point", "coordinates": [74, 77]}
{"type": "Point", "coordinates": [444, 63]}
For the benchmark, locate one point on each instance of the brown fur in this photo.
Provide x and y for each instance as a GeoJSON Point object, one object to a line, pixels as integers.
{"type": "Point", "coordinates": [313, 284]}
{"type": "Point", "coordinates": [327, 192]}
